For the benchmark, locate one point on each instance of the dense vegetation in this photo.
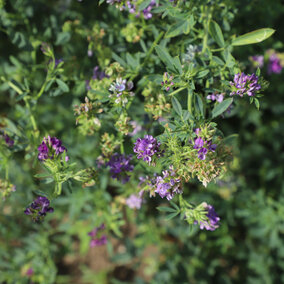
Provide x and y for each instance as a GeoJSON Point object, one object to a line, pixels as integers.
{"type": "Point", "coordinates": [141, 141]}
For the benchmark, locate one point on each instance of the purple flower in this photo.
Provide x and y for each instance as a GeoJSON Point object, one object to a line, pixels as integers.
{"type": "Point", "coordinates": [119, 86]}
{"type": "Point", "coordinates": [50, 148]}
{"type": "Point", "coordinates": [202, 153]}
{"type": "Point", "coordinates": [213, 220]}
{"type": "Point", "coordinates": [9, 141]}
{"type": "Point", "coordinates": [30, 272]}
{"type": "Point", "coordinates": [274, 64]}
{"type": "Point", "coordinates": [39, 208]}
{"type": "Point", "coordinates": [97, 241]}
{"type": "Point", "coordinates": [57, 61]}
{"type": "Point", "coordinates": [97, 74]}
{"type": "Point", "coordinates": [167, 185]}
{"type": "Point", "coordinates": [146, 148]}
{"type": "Point", "coordinates": [135, 201]}
{"type": "Point", "coordinates": [245, 84]}
{"type": "Point", "coordinates": [203, 146]}
{"type": "Point", "coordinates": [198, 143]}
{"type": "Point", "coordinates": [136, 128]}
{"type": "Point", "coordinates": [259, 60]}
{"type": "Point", "coordinates": [120, 166]}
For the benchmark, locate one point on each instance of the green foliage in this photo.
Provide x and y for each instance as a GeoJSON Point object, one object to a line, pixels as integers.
{"type": "Point", "coordinates": [194, 42]}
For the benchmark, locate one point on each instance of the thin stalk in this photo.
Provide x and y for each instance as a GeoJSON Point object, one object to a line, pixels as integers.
{"type": "Point", "coordinates": [150, 51]}
{"type": "Point", "coordinates": [177, 91]}
{"type": "Point", "coordinates": [189, 101]}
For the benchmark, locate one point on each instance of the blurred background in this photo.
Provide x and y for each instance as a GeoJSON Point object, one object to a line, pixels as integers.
{"type": "Point", "coordinates": [249, 245]}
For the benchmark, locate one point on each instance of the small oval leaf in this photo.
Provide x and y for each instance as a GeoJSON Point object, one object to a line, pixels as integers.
{"type": "Point", "coordinates": [253, 37]}
{"type": "Point", "coordinates": [221, 107]}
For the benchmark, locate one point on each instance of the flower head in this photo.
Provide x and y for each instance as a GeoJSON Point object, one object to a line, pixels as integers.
{"type": "Point", "coordinates": [97, 240]}
{"type": "Point", "coordinates": [213, 220]}
{"type": "Point", "coordinates": [135, 201]}
{"type": "Point", "coordinates": [39, 208]}
{"type": "Point", "coordinates": [120, 166]}
{"type": "Point", "coordinates": [274, 64]}
{"type": "Point", "coordinates": [51, 148]}
{"type": "Point", "coordinates": [146, 148]}
{"type": "Point", "coordinates": [203, 146]}
{"type": "Point", "coordinates": [9, 141]}
{"type": "Point", "coordinates": [258, 60]}
{"type": "Point", "coordinates": [168, 185]}
{"type": "Point", "coordinates": [245, 84]}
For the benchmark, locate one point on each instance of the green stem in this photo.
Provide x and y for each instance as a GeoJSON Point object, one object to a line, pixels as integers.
{"type": "Point", "coordinates": [7, 172]}
{"type": "Point", "coordinates": [121, 143]}
{"type": "Point", "coordinates": [41, 90]}
{"type": "Point", "coordinates": [20, 92]}
{"type": "Point", "coordinates": [208, 16]}
{"type": "Point", "coordinates": [177, 91]}
{"type": "Point", "coordinates": [150, 51]}
{"type": "Point", "coordinates": [31, 115]}
{"type": "Point", "coordinates": [189, 101]}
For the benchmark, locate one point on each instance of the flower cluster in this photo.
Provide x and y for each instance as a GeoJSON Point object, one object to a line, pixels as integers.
{"type": "Point", "coordinates": [6, 188]}
{"type": "Point", "coordinates": [97, 75]}
{"type": "Point", "coordinates": [213, 220]}
{"type": "Point", "coordinates": [132, 8]}
{"type": "Point", "coordinates": [135, 201]}
{"type": "Point", "coordinates": [167, 185]}
{"type": "Point", "coordinates": [97, 241]}
{"type": "Point", "coordinates": [203, 146]}
{"type": "Point", "coordinates": [167, 82]}
{"type": "Point", "coordinates": [258, 60]}
{"type": "Point", "coordinates": [191, 52]}
{"type": "Point", "coordinates": [120, 166]}
{"type": "Point", "coordinates": [216, 97]}
{"type": "Point", "coordinates": [146, 148]}
{"type": "Point", "coordinates": [245, 84]}
{"type": "Point", "coordinates": [121, 91]}
{"type": "Point", "coordinates": [51, 148]}
{"type": "Point", "coordinates": [136, 128]}
{"type": "Point", "coordinates": [274, 64]}
{"type": "Point", "coordinates": [39, 208]}
{"type": "Point", "coordinates": [8, 140]}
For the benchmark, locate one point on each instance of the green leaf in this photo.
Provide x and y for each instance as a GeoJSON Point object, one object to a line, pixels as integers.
{"type": "Point", "coordinates": [216, 32]}
{"type": "Point", "coordinates": [182, 27]}
{"type": "Point", "coordinates": [221, 107]}
{"type": "Point", "coordinates": [119, 60]}
{"type": "Point", "coordinates": [62, 38]}
{"type": "Point", "coordinates": [253, 37]}
{"type": "Point", "coordinates": [199, 104]}
{"type": "Point", "coordinates": [62, 85]}
{"type": "Point", "coordinates": [144, 5]}
{"type": "Point", "coordinates": [256, 102]}
{"type": "Point", "coordinates": [42, 175]}
{"type": "Point", "coordinates": [176, 105]}
{"type": "Point", "coordinates": [166, 209]}
{"type": "Point", "coordinates": [164, 56]}
{"type": "Point", "coordinates": [202, 74]}
{"type": "Point", "coordinates": [172, 215]}
{"type": "Point", "coordinates": [177, 65]}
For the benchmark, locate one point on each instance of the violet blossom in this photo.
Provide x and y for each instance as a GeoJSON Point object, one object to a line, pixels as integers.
{"type": "Point", "coordinates": [50, 148]}
{"type": "Point", "coordinates": [97, 240]}
{"type": "Point", "coordinates": [146, 148]}
{"type": "Point", "coordinates": [213, 219]}
{"type": "Point", "coordinates": [168, 185]}
{"type": "Point", "coordinates": [274, 64]}
{"type": "Point", "coordinates": [39, 208]}
{"type": "Point", "coordinates": [245, 84]}
{"type": "Point", "coordinates": [120, 167]}
{"type": "Point", "coordinates": [203, 146]}
{"type": "Point", "coordinates": [134, 201]}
